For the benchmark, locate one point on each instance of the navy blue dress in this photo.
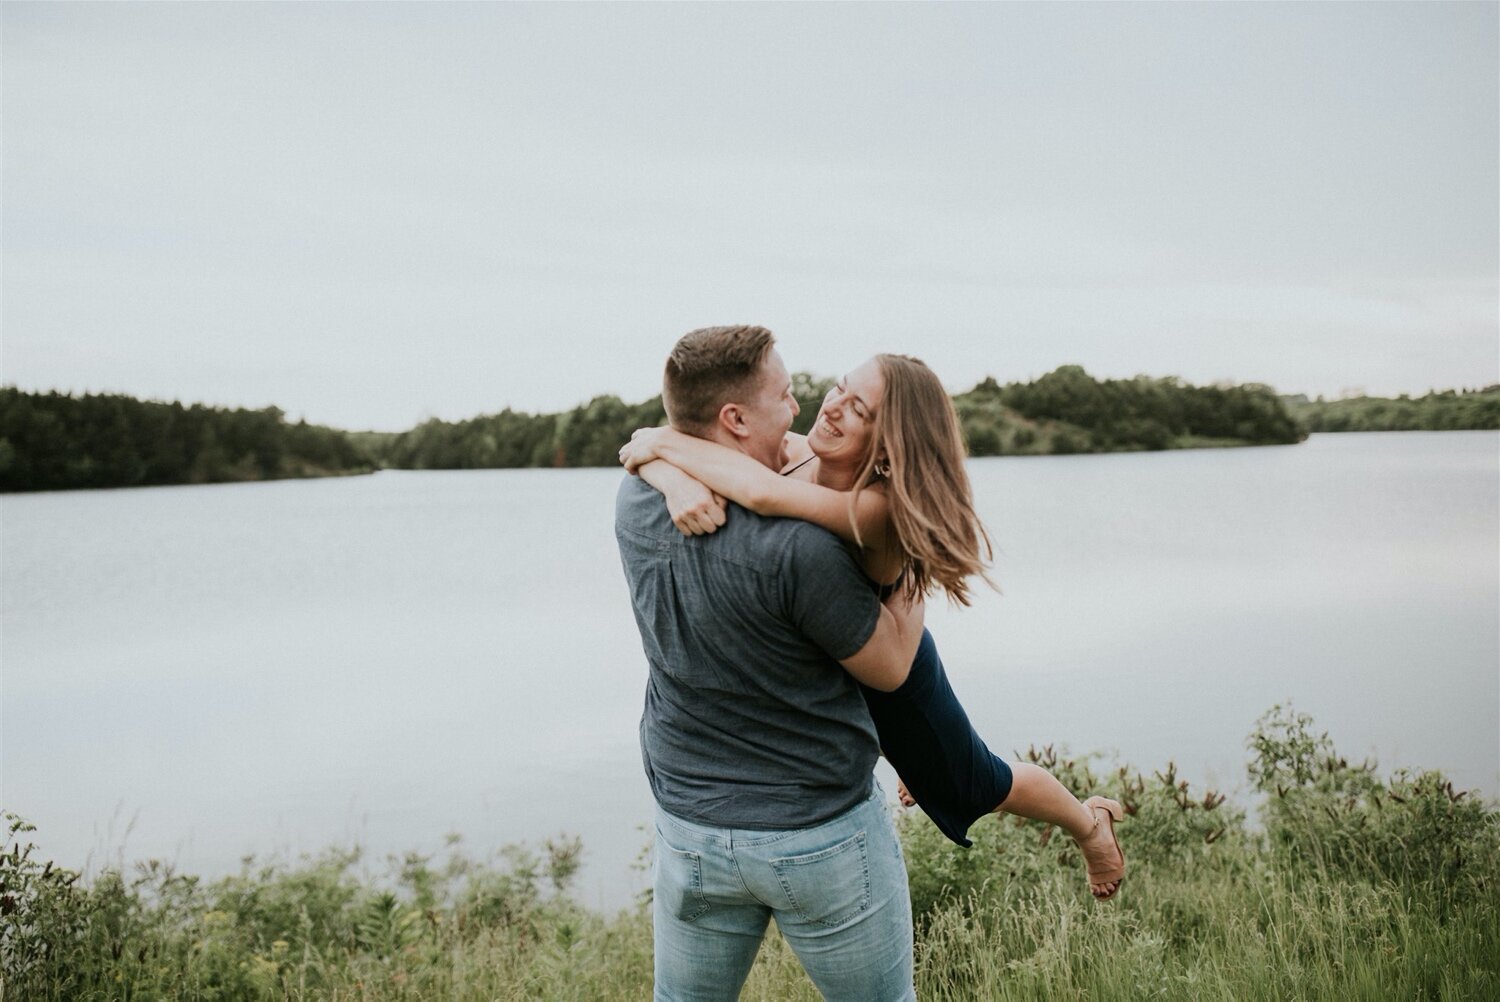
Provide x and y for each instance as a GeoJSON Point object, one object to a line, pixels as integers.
{"type": "Point", "coordinates": [926, 736]}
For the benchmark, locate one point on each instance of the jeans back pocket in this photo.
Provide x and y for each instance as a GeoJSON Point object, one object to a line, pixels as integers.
{"type": "Point", "coordinates": [828, 887]}
{"type": "Point", "coordinates": [678, 886]}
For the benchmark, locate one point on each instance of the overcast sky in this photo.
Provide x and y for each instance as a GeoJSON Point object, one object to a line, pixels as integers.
{"type": "Point", "coordinates": [372, 214]}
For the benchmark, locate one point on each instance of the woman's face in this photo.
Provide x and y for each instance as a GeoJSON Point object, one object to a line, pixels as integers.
{"type": "Point", "coordinates": [846, 421]}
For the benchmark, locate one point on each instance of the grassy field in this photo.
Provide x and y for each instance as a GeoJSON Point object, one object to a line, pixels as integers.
{"type": "Point", "coordinates": [1349, 885]}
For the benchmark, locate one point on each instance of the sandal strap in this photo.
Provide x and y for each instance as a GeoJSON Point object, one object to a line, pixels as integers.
{"type": "Point", "coordinates": [1112, 812]}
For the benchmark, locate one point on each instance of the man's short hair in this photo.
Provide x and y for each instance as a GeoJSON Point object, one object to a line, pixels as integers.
{"type": "Point", "coordinates": [710, 367]}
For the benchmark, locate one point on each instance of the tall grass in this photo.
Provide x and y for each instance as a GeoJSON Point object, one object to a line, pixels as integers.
{"type": "Point", "coordinates": [1352, 886]}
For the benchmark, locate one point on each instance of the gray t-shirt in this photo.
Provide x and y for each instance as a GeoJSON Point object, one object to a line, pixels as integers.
{"type": "Point", "coordinates": [750, 721]}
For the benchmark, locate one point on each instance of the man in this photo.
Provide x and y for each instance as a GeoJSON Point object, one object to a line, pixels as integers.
{"type": "Point", "coordinates": [756, 741]}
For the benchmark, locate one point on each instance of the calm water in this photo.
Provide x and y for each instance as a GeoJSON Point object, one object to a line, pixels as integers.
{"type": "Point", "coordinates": [199, 673]}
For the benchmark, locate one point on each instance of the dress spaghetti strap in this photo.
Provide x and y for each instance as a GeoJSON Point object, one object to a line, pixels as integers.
{"type": "Point", "coordinates": [809, 459]}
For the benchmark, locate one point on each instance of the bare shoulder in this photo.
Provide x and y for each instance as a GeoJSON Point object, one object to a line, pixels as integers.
{"type": "Point", "coordinates": [884, 559]}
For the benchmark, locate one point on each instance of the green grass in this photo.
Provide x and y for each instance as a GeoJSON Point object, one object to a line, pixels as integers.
{"type": "Point", "coordinates": [1210, 935]}
{"type": "Point", "coordinates": [1351, 886]}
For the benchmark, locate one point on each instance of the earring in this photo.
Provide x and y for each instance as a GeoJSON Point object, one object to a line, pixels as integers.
{"type": "Point", "coordinates": [883, 468]}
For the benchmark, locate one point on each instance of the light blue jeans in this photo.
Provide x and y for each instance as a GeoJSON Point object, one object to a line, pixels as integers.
{"type": "Point", "coordinates": [838, 893]}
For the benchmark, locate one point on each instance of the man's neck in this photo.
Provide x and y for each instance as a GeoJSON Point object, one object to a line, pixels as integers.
{"type": "Point", "coordinates": [722, 436]}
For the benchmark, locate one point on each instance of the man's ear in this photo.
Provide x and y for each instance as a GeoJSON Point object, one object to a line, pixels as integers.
{"type": "Point", "coordinates": [732, 420]}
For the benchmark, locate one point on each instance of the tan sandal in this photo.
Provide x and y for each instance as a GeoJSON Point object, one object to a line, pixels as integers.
{"type": "Point", "coordinates": [1115, 874]}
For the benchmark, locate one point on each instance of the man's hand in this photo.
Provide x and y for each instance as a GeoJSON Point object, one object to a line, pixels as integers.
{"type": "Point", "coordinates": [641, 449]}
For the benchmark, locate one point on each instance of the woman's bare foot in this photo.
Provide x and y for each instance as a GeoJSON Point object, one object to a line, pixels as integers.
{"type": "Point", "coordinates": [1101, 848]}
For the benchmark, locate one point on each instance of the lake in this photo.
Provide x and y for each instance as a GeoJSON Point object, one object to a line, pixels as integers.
{"type": "Point", "coordinates": [202, 673]}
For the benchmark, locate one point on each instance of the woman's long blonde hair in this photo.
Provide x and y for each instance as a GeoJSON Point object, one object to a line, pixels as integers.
{"type": "Point", "coordinates": [918, 450]}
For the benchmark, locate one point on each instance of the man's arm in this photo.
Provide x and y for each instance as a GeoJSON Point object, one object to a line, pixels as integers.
{"type": "Point", "coordinates": [885, 660]}
{"type": "Point", "coordinates": [832, 602]}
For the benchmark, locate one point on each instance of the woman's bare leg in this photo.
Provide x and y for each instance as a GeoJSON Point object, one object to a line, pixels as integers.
{"type": "Point", "coordinates": [1035, 793]}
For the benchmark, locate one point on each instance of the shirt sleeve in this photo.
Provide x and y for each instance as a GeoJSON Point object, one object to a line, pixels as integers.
{"type": "Point", "coordinates": [828, 598]}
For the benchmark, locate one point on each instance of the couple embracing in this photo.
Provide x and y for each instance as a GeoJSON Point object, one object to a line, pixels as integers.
{"type": "Point", "coordinates": [778, 583]}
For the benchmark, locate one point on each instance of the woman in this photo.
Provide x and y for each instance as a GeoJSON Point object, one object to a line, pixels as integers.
{"type": "Point", "coordinates": [883, 467]}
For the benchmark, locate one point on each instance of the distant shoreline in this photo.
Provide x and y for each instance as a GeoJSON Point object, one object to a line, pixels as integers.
{"type": "Point", "coordinates": [55, 441]}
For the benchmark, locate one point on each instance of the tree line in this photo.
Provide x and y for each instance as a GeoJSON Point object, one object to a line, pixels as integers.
{"type": "Point", "coordinates": [1065, 411]}
{"type": "Point", "coordinates": [1069, 411]}
{"type": "Point", "coordinates": [51, 441]}
{"type": "Point", "coordinates": [56, 441]}
{"type": "Point", "coordinates": [1439, 410]}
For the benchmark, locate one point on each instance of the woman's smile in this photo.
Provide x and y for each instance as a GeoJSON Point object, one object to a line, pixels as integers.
{"type": "Point", "coordinates": [846, 421]}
